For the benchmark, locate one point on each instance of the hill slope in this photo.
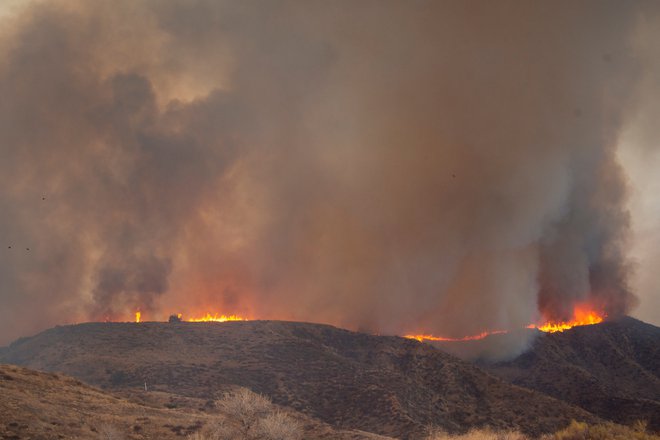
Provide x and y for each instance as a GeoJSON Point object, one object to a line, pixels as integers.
{"type": "Point", "coordinates": [388, 385]}
{"type": "Point", "coordinates": [35, 405]}
{"type": "Point", "coordinates": [610, 369]}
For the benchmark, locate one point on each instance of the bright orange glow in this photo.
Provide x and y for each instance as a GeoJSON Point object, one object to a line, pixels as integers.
{"type": "Point", "coordinates": [582, 315]}
{"type": "Point", "coordinates": [215, 318]}
{"type": "Point", "coordinates": [482, 335]}
{"type": "Point", "coordinates": [138, 316]}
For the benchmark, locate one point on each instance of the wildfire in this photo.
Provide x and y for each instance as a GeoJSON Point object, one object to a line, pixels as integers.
{"type": "Point", "coordinates": [482, 335]}
{"type": "Point", "coordinates": [581, 316]}
{"type": "Point", "coordinates": [215, 318]}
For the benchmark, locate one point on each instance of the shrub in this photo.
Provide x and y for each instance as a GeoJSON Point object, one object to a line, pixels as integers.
{"type": "Point", "coordinates": [279, 426]}
{"type": "Point", "coordinates": [246, 407]}
{"type": "Point", "coordinates": [250, 416]}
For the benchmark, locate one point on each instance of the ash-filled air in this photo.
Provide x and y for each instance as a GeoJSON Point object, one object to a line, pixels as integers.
{"type": "Point", "coordinates": [388, 166]}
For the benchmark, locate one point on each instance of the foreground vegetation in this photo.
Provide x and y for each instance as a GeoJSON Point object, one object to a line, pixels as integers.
{"type": "Point", "coordinates": [575, 431]}
{"type": "Point", "coordinates": [250, 416]}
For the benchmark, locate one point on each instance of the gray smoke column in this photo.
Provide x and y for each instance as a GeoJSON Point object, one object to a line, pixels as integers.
{"type": "Point", "coordinates": [438, 166]}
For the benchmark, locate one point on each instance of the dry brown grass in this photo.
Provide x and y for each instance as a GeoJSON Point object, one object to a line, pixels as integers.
{"type": "Point", "coordinates": [575, 431]}
{"type": "Point", "coordinates": [476, 434]}
{"type": "Point", "coordinates": [110, 432]}
{"type": "Point", "coordinates": [605, 431]}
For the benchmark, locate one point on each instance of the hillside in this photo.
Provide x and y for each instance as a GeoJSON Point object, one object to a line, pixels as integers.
{"type": "Point", "coordinates": [35, 405]}
{"type": "Point", "coordinates": [387, 385]}
{"type": "Point", "coordinates": [611, 369]}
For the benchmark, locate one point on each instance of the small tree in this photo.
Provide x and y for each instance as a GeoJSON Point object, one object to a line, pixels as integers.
{"type": "Point", "coordinates": [246, 407]}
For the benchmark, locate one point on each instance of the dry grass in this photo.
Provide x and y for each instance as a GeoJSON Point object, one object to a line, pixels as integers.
{"type": "Point", "coordinates": [605, 431]}
{"type": "Point", "coordinates": [476, 434]}
{"type": "Point", "coordinates": [110, 432]}
{"type": "Point", "coordinates": [575, 431]}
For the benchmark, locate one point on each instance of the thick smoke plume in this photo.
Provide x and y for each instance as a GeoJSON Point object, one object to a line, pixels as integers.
{"type": "Point", "coordinates": [386, 166]}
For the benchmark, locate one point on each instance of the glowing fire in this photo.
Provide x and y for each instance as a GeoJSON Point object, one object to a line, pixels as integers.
{"type": "Point", "coordinates": [215, 318]}
{"type": "Point", "coordinates": [138, 316]}
{"type": "Point", "coordinates": [581, 316]}
{"type": "Point", "coordinates": [482, 335]}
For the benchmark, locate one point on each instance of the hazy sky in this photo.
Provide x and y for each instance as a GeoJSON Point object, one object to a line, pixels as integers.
{"type": "Point", "coordinates": [390, 166]}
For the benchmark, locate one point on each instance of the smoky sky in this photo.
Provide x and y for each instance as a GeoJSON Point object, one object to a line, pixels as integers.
{"type": "Point", "coordinates": [388, 166]}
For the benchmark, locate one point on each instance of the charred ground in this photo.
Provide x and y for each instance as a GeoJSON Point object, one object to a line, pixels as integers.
{"type": "Point", "coordinates": [387, 385]}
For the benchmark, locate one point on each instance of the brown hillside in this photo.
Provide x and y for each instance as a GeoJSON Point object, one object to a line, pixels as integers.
{"type": "Point", "coordinates": [611, 369]}
{"type": "Point", "coordinates": [388, 385]}
{"type": "Point", "coordinates": [40, 406]}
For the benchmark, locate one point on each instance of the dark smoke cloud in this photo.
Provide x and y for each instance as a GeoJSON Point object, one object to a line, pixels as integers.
{"type": "Point", "coordinates": [388, 166]}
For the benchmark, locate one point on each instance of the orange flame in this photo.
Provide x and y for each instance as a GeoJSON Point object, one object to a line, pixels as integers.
{"type": "Point", "coordinates": [481, 335]}
{"type": "Point", "coordinates": [138, 316]}
{"type": "Point", "coordinates": [582, 315]}
{"type": "Point", "coordinates": [215, 318]}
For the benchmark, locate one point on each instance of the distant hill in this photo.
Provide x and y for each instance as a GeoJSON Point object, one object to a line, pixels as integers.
{"type": "Point", "coordinates": [35, 405]}
{"type": "Point", "coordinates": [610, 369]}
{"type": "Point", "coordinates": [387, 385]}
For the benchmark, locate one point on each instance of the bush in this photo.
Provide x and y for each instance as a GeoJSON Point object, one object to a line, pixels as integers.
{"type": "Point", "coordinates": [246, 407]}
{"type": "Point", "coordinates": [279, 426]}
{"type": "Point", "coordinates": [250, 416]}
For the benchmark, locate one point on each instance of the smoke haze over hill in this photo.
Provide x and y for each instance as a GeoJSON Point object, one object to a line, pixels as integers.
{"type": "Point", "coordinates": [386, 166]}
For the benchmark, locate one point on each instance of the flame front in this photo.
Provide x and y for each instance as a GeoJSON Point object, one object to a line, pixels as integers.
{"type": "Point", "coordinates": [481, 335]}
{"type": "Point", "coordinates": [582, 315]}
{"type": "Point", "coordinates": [215, 318]}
